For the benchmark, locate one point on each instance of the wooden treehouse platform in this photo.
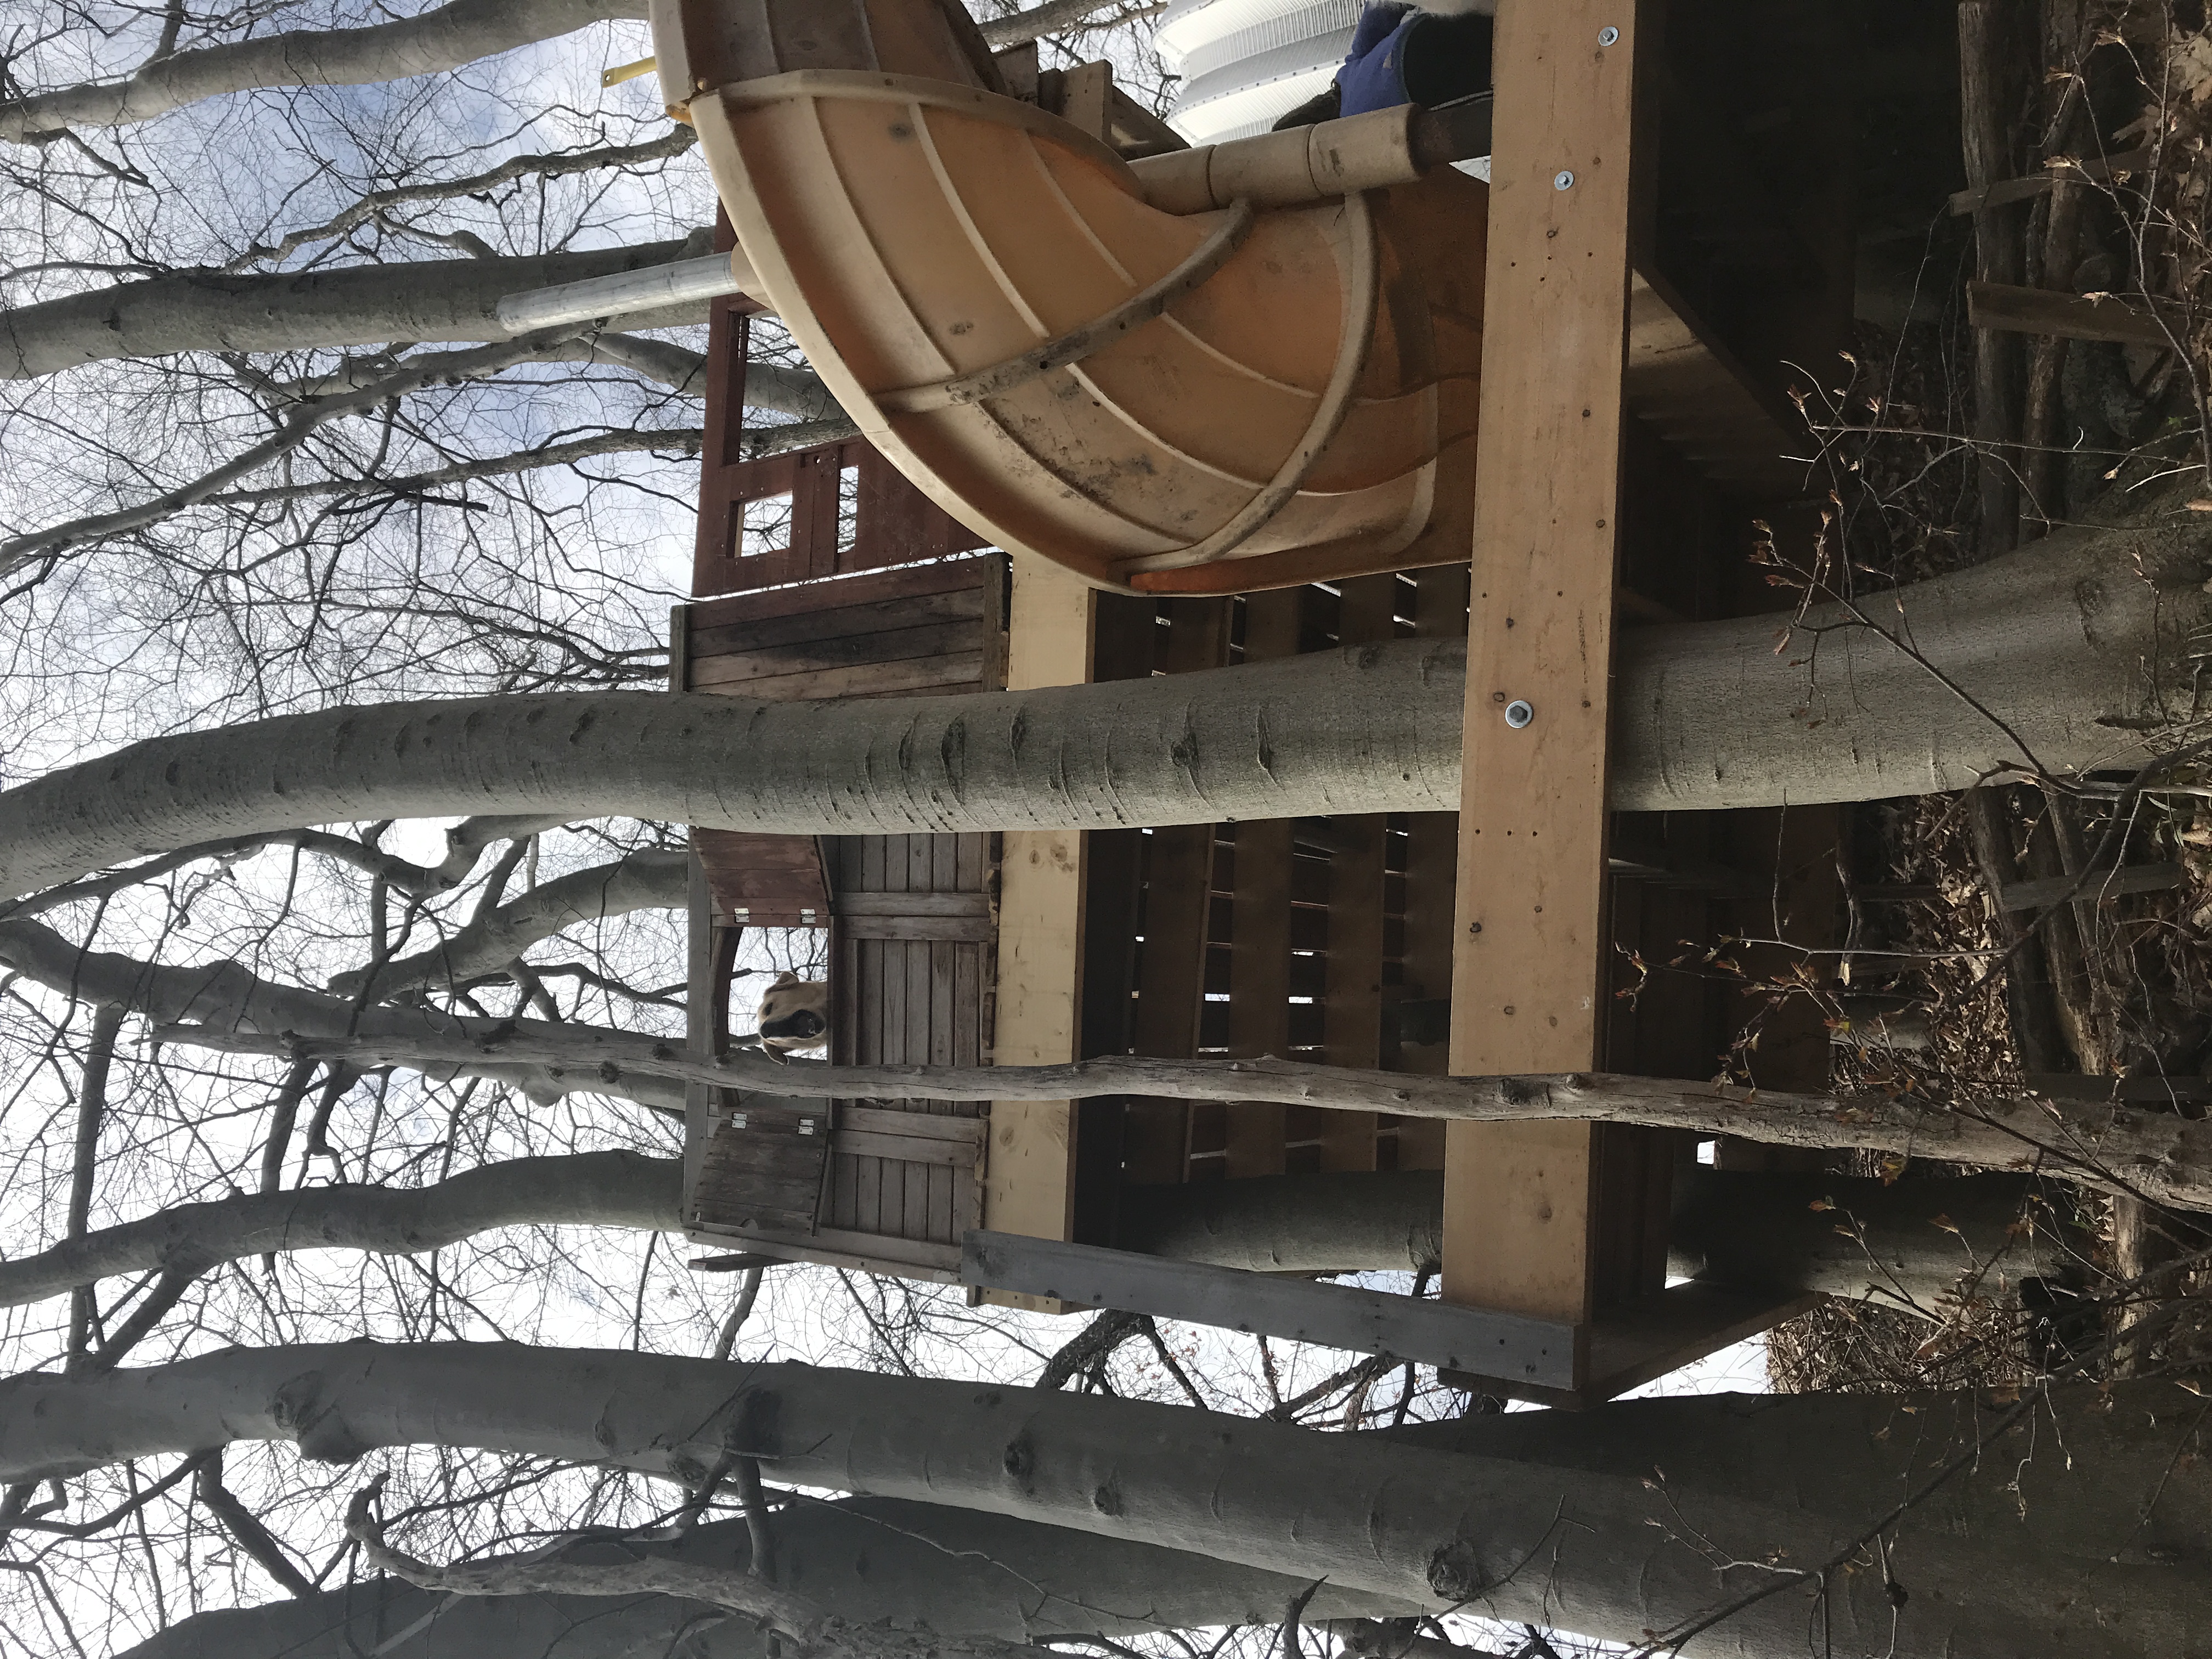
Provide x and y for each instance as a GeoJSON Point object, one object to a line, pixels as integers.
{"type": "Point", "coordinates": [1634, 425]}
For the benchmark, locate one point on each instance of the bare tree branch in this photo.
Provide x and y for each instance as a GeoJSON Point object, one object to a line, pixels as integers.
{"type": "Point", "coordinates": [227, 997]}
{"type": "Point", "coordinates": [429, 301]}
{"type": "Point", "coordinates": [586, 1189]}
{"type": "Point", "coordinates": [749, 1289]}
{"type": "Point", "coordinates": [91, 1109]}
{"type": "Point", "coordinates": [1062, 16]}
{"type": "Point", "coordinates": [680, 440]}
{"type": "Point", "coordinates": [420, 372]}
{"type": "Point", "coordinates": [677, 140]}
{"type": "Point", "coordinates": [812, 1628]}
{"type": "Point", "coordinates": [650, 879]}
{"type": "Point", "coordinates": [2111, 1146]}
{"type": "Point", "coordinates": [246, 1529]}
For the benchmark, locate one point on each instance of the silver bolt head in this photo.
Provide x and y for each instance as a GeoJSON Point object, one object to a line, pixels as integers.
{"type": "Point", "coordinates": [1518, 714]}
{"type": "Point", "coordinates": [1608, 36]}
{"type": "Point", "coordinates": [1563, 179]}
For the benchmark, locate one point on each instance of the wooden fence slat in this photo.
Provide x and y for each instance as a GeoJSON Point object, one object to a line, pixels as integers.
{"type": "Point", "coordinates": [1259, 924]}
{"type": "Point", "coordinates": [1352, 984]}
{"type": "Point", "coordinates": [860, 679]}
{"type": "Point", "coordinates": [1178, 875]}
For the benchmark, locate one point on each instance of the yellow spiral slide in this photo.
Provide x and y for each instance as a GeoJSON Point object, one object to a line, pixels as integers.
{"type": "Point", "coordinates": [1208, 372]}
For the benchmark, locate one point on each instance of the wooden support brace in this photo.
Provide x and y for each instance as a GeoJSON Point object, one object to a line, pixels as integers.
{"type": "Point", "coordinates": [1530, 941]}
{"type": "Point", "coordinates": [1029, 1185]}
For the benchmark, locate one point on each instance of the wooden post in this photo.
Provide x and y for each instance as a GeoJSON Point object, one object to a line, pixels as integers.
{"type": "Point", "coordinates": [1531, 939]}
{"type": "Point", "coordinates": [1030, 1183]}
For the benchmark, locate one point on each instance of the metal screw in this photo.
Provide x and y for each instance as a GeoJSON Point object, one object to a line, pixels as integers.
{"type": "Point", "coordinates": [1563, 181]}
{"type": "Point", "coordinates": [1518, 714]}
{"type": "Point", "coordinates": [1608, 36]}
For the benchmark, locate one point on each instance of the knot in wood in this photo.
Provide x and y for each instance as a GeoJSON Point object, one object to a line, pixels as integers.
{"type": "Point", "coordinates": [1455, 1574]}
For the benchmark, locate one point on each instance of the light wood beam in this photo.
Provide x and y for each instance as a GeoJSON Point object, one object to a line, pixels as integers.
{"type": "Point", "coordinates": [1530, 935]}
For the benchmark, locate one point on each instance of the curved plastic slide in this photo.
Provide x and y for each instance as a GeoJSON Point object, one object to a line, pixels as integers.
{"type": "Point", "coordinates": [1245, 396]}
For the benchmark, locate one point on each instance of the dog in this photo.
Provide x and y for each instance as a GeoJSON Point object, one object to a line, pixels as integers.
{"type": "Point", "coordinates": [795, 1014]}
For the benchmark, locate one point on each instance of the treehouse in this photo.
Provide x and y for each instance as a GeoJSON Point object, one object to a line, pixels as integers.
{"type": "Point", "coordinates": [1127, 408]}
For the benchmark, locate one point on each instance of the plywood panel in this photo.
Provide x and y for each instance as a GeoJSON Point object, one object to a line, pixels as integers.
{"type": "Point", "coordinates": [1529, 938]}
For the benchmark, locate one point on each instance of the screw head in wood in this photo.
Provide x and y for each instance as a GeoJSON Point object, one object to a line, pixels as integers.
{"type": "Point", "coordinates": [1563, 179]}
{"type": "Point", "coordinates": [1608, 36]}
{"type": "Point", "coordinates": [1518, 714]}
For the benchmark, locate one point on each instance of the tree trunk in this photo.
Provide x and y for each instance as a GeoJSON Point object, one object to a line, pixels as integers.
{"type": "Point", "coordinates": [426, 300]}
{"type": "Point", "coordinates": [2164, 1157]}
{"type": "Point", "coordinates": [2013, 1554]}
{"type": "Point", "coordinates": [1752, 1229]}
{"type": "Point", "coordinates": [1748, 1228]}
{"type": "Point", "coordinates": [442, 39]}
{"type": "Point", "coordinates": [224, 995]}
{"type": "Point", "coordinates": [2079, 643]}
{"type": "Point", "coordinates": [958, 1572]}
{"type": "Point", "coordinates": [653, 879]}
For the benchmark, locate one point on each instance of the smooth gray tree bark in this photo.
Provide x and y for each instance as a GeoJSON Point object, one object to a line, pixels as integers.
{"type": "Point", "coordinates": [2079, 644]}
{"type": "Point", "coordinates": [2087, 1536]}
{"type": "Point", "coordinates": [958, 1572]}
{"type": "Point", "coordinates": [1910, 1241]}
{"type": "Point", "coordinates": [652, 878]}
{"type": "Point", "coordinates": [443, 38]}
{"type": "Point", "coordinates": [426, 300]}
{"type": "Point", "coordinates": [1740, 1228]}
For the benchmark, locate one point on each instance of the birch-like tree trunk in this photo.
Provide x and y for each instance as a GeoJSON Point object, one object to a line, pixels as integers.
{"type": "Point", "coordinates": [2079, 644]}
{"type": "Point", "coordinates": [1742, 1228]}
{"type": "Point", "coordinates": [958, 1572]}
{"type": "Point", "coordinates": [443, 38]}
{"type": "Point", "coordinates": [1894, 1243]}
{"type": "Point", "coordinates": [429, 301]}
{"type": "Point", "coordinates": [2089, 1536]}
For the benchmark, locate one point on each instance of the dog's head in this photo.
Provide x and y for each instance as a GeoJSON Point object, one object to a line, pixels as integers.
{"type": "Point", "coordinates": [795, 1014]}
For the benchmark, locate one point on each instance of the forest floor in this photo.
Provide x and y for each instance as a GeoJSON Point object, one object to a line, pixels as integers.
{"type": "Point", "coordinates": [2118, 985]}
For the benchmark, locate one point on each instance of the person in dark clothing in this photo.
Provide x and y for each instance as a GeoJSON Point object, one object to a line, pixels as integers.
{"type": "Point", "coordinates": [1401, 54]}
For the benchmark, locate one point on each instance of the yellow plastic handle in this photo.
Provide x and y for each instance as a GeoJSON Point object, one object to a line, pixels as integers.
{"type": "Point", "coordinates": [615, 77]}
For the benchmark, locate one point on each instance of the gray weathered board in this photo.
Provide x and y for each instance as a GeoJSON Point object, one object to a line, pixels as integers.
{"type": "Point", "coordinates": [1537, 1354]}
